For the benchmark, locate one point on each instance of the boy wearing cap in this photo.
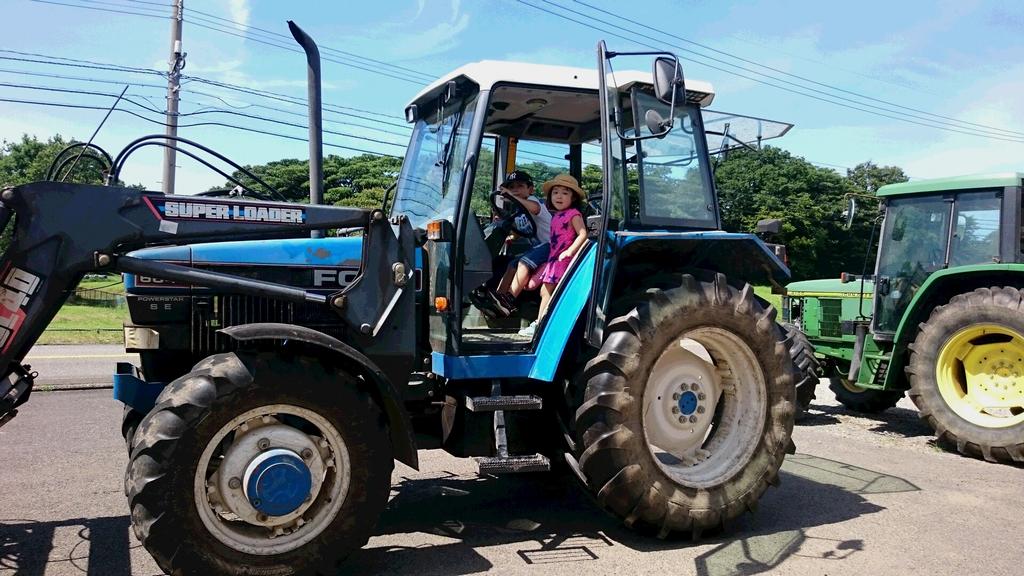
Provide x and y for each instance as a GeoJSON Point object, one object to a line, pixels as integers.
{"type": "Point", "coordinates": [518, 185]}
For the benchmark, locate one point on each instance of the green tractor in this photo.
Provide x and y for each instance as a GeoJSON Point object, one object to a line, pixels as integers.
{"type": "Point", "coordinates": [942, 317]}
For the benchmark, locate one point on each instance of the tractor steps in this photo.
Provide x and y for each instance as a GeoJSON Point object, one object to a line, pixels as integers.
{"type": "Point", "coordinates": [503, 462]}
{"type": "Point", "coordinates": [495, 403]}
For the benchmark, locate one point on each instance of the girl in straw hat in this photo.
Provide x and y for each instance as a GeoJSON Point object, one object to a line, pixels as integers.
{"type": "Point", "coordinates": [564, 198]}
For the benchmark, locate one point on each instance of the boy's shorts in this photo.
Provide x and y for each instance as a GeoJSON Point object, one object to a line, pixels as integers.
{"type": "Point", "coordinates": [536, 256]}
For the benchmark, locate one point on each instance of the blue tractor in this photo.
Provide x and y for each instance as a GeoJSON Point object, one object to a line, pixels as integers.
{"type": "Point", "coordinates": [279, 380]}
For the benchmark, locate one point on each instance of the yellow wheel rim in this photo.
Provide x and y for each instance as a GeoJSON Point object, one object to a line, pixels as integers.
{"type": "Point", "coordinates": [980, 375]}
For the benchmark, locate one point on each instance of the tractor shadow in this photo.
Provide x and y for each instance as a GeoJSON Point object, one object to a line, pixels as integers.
{"type": "Point", "coordinates": [547, 520]}
{"type": "Point", "coordinates": [541, 521]}
{"type": "Point", "coordinates": [895, 421]}
{"type": "Point", "coordinates": [90, 546]}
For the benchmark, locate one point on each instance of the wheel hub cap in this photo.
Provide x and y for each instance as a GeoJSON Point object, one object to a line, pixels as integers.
{"type": "Point", "coordinates": [277, 482]}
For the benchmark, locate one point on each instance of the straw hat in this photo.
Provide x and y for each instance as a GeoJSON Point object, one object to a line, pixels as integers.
{"type": "Point", "coordinates": [564, 180]}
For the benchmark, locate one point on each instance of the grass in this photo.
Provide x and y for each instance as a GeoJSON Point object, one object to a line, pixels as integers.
{"type": "Point", "coordinates": [78, 324]}
{"type": "Point", "coordinates": [774, 299]}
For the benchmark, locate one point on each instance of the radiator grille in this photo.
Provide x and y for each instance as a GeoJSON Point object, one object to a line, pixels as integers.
{"type": "Point", "coordinates": [831, 324]}
{"type": "Point", "coordinates": [222, 311]}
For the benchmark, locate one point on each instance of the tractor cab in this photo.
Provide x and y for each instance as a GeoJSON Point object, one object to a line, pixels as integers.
{"type": "Point", "coordinates": [484, 120]}
{"type": "Point", "coordinates": [935, 225]}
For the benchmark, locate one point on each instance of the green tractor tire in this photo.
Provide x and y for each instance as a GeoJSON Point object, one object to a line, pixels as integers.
{"type": "Point", "coordinates": [688, 408]}
{"type": "Point", "coordinates": [258, 463]}
{"type": "Point", "coordinates": [967, 373]}
{"type": "Point", "coordinates": [860, 399]}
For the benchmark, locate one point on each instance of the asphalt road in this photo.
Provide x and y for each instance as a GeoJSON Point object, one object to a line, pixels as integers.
{"type": "Point", "coordinates": [861, 496]}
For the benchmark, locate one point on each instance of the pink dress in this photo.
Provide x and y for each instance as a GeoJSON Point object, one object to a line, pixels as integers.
{"type": "Point", "coordinates": [562, 236]}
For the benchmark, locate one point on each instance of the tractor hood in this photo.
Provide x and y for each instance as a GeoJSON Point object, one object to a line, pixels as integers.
{"type": "Point", "coordinates": [293, 252]}
{"type": "Point", "coordinates": [830, 287]}
{"type": "Point", "coordinates": [306, 262]}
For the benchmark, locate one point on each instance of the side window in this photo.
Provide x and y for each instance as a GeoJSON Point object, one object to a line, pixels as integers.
{"type": "Point", "coordinates": [486, 180]}
{"type": "Point", "coordinates": [976, 237]}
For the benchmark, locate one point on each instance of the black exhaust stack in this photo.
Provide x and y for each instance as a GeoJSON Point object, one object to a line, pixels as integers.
{"type": "Point", "coordinates": [316, 144]}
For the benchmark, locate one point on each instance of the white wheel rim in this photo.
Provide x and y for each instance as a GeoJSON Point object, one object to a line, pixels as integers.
{"type": "Point", "coordinates": [225, 511]}
{"type": "Point", "coordinates": [711, 379]}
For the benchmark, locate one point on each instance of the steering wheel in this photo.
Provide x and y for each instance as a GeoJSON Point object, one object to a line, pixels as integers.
{"type": "Point", "coordinates": [514, 214]}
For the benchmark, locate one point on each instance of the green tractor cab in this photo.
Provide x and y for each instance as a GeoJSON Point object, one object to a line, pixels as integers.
{"type": "Point", "coordinates": [941, 317]}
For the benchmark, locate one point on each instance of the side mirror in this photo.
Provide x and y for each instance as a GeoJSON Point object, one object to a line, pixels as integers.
{"type": "Point", "coordinates": [851, 211]}
{"type": "Point", "coordinates": [656, 124]}
{"type": "Point", "coordinates": [669, 86]}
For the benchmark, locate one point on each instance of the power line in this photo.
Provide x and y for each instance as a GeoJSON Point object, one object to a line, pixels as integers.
{"type": "Point", "coordinates": [217, 27]}
{"type": "Point", "coordinates": [323, 48]}
{"type": "Point", "coordinates": [985, 132]}
{"type": "Point", "coordinates": [777, 70]}
{"type": "Point", "coordinates": [157, 122]}
{"type": "Point", "coordinates": [299, 51]}
{"type": "Point", "coordinates": [90, 64]}
{"type": "Point", "coordinates": [902, 118]}
{"type": "Point", "coordinates": [157, 111]}
{"type": "Point", "coordinates": [111, 10]}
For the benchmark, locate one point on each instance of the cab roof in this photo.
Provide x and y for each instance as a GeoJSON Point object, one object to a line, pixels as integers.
{"type": "Point", "coordinates": [488, 73]}
{"type": "Point", "coordinates": [993, 180]}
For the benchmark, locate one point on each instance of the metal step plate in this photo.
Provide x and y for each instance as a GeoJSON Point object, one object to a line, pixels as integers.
{"type": "Point", "coordinates": [495, 403]}
{"type": "Point", "coordinates": [513, 464]}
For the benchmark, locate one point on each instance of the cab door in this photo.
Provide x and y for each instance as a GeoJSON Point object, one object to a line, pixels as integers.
{"type": "Point", "coordinates": [613, 186]}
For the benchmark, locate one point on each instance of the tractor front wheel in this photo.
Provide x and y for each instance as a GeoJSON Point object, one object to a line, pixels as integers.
{"type": "Point", "coordinates": [688, 408]}
{"type": "Point", "coordinates": [258, 464]}
{"type": "Point", "coordinates": [967, 373]}
{"type": "Point", "coordinates": [807, 365]}
{"type": "Point", "coordinates": [860, 399]}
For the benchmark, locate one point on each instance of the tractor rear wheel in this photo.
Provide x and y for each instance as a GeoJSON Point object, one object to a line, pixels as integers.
{"type": "Point", "coordinates": [258, 464]}
{"type": "Point", "coordinates": [860, 399]}
{"type": "Point", "coordinates": [688, 408]}
{"type": "Point", "coordinates": [967, 373]}
{"type": "Point", "coordinates": [807, 365]}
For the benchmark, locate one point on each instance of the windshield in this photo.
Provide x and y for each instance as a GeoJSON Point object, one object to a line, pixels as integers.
{"type": "Point", "coordinates": [913, 246]}
{"type": "Point", "coordinates": [675, 188]}
{"type": "Point", "coordinates": [428, 188]}
{"type": "Point", "coordinates": [915, 240]}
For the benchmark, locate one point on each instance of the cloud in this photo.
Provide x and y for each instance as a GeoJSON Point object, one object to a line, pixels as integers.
{"type": "Point", "coordinates": [240, 11]}
{"type": "Point", "coordinates": [416, 38]}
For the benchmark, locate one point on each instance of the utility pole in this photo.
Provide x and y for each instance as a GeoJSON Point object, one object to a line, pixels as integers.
{"type": "Point", "coordinates": [177, 62]}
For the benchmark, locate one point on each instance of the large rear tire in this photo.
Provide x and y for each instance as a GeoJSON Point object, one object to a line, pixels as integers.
{"type": "Point", "coordinates": [688, 408]}
{"type": "Point", "coordinates": [807, 365]}
{"type": "Point", "coordinates": [967, 374]}
{"type": "Point", "coordinates": [258, 464]}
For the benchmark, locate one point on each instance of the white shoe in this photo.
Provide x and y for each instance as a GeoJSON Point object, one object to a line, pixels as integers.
{"type": "Point", "coordinates": [529, 330]}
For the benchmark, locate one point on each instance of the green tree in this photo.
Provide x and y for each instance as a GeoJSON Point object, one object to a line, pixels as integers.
{"type": "Point", "coordinates": [867, 177]}
{"type": "Point", "coordinates": [771, 183]}
{"type": "Point", "coordinates": [29, 159]}
{"type": "Point", "coordinates": [355, 181]}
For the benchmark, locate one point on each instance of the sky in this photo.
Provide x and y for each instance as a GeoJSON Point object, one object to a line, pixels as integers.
{"type": "Point", "coordinates": [932, 87]}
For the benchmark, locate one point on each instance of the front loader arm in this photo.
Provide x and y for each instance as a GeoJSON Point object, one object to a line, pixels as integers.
{"type": "Point", "coordinates": [63, 231]}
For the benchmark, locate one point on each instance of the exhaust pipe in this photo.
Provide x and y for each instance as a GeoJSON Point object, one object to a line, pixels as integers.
{"type": "Point", "coordinates": [316, 144]}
